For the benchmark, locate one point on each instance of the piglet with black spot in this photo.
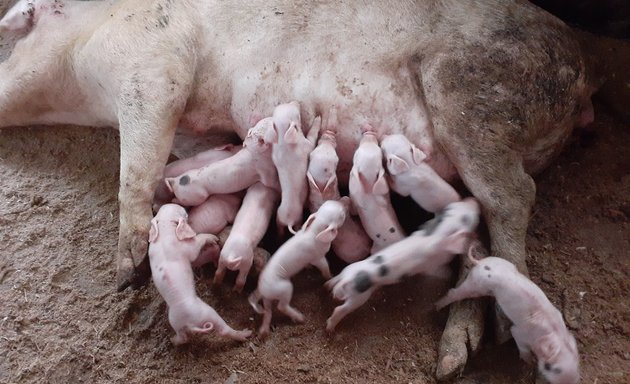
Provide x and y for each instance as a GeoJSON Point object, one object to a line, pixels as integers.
{"type": "Point", "coordinates": [174, 245]}
{"type": "Point", "coordinates": [426, 252]}
{"type": "Point", "coordinates": [538, 327]}
{"type": "Point", "coordinates": [236, 173]}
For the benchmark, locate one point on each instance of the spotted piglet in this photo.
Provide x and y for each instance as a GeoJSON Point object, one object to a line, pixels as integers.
{"type": "Point", "coordinates": [173, 245]}
{"type": "Point", "coordinates": [236, 173]}
{"type": "Point", "coordinates": [163, 194]}
{"type": "Point", "coordinates": [426, 251]}
{"type": "Point", "coordinates": [370, 194]}
{"type": "Point", "coordinates": [538, 326]}
{"type": "Point", "coordinates": [352, 243]}
{"type": "Point", "coordinates": [410, 175]}
{"type": "Point", "coordinates": [308, 247]}
{"type": "Point", "coordinates": [290, 155]}
{"type": "Point", "coordinates": [250, 225]}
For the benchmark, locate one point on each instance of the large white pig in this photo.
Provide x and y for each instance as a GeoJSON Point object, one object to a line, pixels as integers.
{"type": "Point", "coordinates": [489, 90]}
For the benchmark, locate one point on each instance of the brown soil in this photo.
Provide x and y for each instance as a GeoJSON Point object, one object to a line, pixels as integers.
{"type": "Point", "coordinates": [61, 320]}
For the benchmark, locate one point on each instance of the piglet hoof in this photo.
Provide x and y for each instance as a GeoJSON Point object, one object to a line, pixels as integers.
{"type": "Point", "coordinates": [263, 333]}
{"type": "Point", "coordinates": [461, 336]}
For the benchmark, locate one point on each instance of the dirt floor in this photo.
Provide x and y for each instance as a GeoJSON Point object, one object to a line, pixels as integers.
{"type": "Point", "coordinates": [61, 320]}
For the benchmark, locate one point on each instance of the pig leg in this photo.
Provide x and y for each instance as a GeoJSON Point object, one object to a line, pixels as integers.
{"type": "Point", "coordinates": [523, 349]}
{"type": "Point", "coordinates": [353, 302]}
{"type": "Point", "coordinates": [150, 108]}
{"type": "Point", "coordinates": [284, 292]}
{"type": "Point", "coordinates": [322, 265]}
{"type": "Point", "coordinates": [266, 322]}
{"type": "Point", "coordinates": [243, 269]}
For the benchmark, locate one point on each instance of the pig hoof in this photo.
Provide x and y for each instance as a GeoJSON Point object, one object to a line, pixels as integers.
{"type": "Point", "coordinates": [125, 274]}
{"type": "Point", "coordinates": [462, 335]}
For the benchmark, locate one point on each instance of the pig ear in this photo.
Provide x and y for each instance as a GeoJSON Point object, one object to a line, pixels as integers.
{"type": "Point", "coordinates": [168, 181]}
{"type": "Point", "coordinates": [19, 18]}
{"type": "Point", "coordinates": [331, 186]}
{"type": "Point", "coordinates": [291, 135]}
{"type": "Point", "coordinates": [327, 235]}
{"type": "Point", "coordinates": [312, 182]}
{"type": "Point", "coordinates": [457, 242]}
{"type": "Point", "coordinates": [418, 155]}
{"type": "Point", "coordinates": [309, 221]}
{"type": "Point", "coordinates": [396, 165]}
{"type": "Point", "coordinates": [271, 134]}
{"type": "Point", "coordinates": [380, 186]}
{"type": "Point", "coordinates": [546, 348]}
{"type": "Point", "coordinates": [153, 232]}
{"type": "Point", "coordinates": [183, 230]}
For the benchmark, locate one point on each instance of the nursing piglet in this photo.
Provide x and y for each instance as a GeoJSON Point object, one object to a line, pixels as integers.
{"type": "Point", "coordinates": [370, 194]}
{"type": "Point", "coordinates": [251, 164]}
{"type": "Point", "coordinates": [352, 243]}
{"type": "Point", "coordinates": [290, 155]}
{"type": "Point", "coordinates": [250, 225]}
{"type": "Point", "coordinates": [308, 247]}
{"type": "Point", "coordinates": [173, 245]}
{"type": "Point", "coordinates": [215, 213]}
{"type": "Point", "coordinates": [538, 326]}
{"type": "Point", "coordinates": [163, 195]}
{"type": "Point", "coordinates": [411, 175]}
{"type": "Point", "coordinates": [424, 252]}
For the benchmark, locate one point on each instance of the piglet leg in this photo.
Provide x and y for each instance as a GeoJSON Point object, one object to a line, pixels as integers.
{"type": "Point", "coordinates": [352, 303]}
{"type": "Point", "coordinates": [266, 322]}
{"type": "Point", "coordinates": [322, 265]}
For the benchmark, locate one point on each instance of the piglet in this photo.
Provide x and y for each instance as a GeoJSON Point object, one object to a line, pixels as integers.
{"type": "Point", "coordinates": [163, 195]}
{"type": "Point", "coordinates": [236, 173]}
{"type": "Point", "coordinates": [173, 245]}
{"type": "Point", "coordinates": [370, 194]}
{"type": "Point", "coordinates": [290, 155]}
{"type": "Point", "coordinates": [215, 213]}
{"type": "Point", "coordinates": [538, 326]}
{"type": "Point", "coordinates": [352, 243]}
{"type": "Point", "coordinates": [308, 247]}
{"type": "Point", "coordinates": [424, 252]}
{"type": "Point", "coordinates": [411, 175]}
{"type": "Point", "coordinates": [250, 225]}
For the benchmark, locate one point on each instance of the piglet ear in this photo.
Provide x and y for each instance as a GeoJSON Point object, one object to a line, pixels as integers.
{"type": "Point", "coordinates": [309, 221]}
{"type": "Point", "coordinates": [546, 348]}
{"type": "Point", "coordinates": [396, 165]}
{"type": "Point", "coordinates": [169, 181]}
{"type": "Point", "coordinates": [153, 232]}
{"type": "Point", "coordinates": [312, 182]}
{"type": "Point", "coordinates": [457, 242]}
{"type": "Point", "coordinates": [291, 135]}
{"type": "Point", "coordinates": [19, 19]}
{"type": "Point", "coordinates": [380, 186]}
{"type": "Point", "coordinates": [183, 230]}
{"type": "Point", "coordinates": [417, 155]}
{"type": "Point", "coordinates": [331, 186]}
{"type": "Point", "coordinates": [327, 235]}
{"type": "Point", "coordinates": [271, 134]}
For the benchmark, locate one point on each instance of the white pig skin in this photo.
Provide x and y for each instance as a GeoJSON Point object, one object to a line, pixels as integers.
{"type": "Point", "coordinates": [173, 246]}
{"type": "Point", "coordinates": [308, 247]}
{"type": "Point", "coordinates": [410, 175]}
{"type": "Point", "coordinates": [427, 251]}
{"type": "Point", "coordinates": [214, 214]}
{"type": "Point", "coordinates": [538, 327]}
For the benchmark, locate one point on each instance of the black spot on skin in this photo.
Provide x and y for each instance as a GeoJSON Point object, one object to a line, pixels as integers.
{"type": "Point", "coordinates": [326, 170]}
{"type": "Point", "coordinates": [362, 282]}
{"type": "Point", "coordinates": [465, 220]}
{"type": "Point", "coordinates": [392, 230]}
{"type": "Point", "coordinates": [378, 235]}
{"type": "Point", "coordinates": [557, 371]}
{"type": "Point", "coordinates": [487, 268]}
{"type": "Point", "coordinates": [378, 259]}
{"type": "Point", "coordinates": [184, 180]}
{"type": "Point", "coordinates": [430, 226]}
{"type": "Point", "coordinates": [383, 270]}
{"type": "Point", "coordinates": [489, 275]}
{"type": "Point", "coordinates": [547, 367]}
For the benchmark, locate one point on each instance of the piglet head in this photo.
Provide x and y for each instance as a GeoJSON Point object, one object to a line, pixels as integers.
{"type": "Point", "coordinates": [186, 191]}
{"type": "Point", "coordinates": [327, 220]}
{"type": "Point", "coordinates": [176, 215]}
{"type": "Point", "coordinates": [558, 360]}
{"type": "Point", "coordinates": [367, 165]}
{"type": "Point", "coordinates": [461, 215]}
{"type": "Point", "coordinates": [255, 140]}
{"type": "Point", "coordinates": [287, 124]}
{"type": "Point", "coordinates": [400, 154]}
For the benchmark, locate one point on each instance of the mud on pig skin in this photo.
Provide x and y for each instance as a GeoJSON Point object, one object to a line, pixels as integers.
{"type": "Point", "coordinates": [427, 251]}
{"type": "Point", "coordinates": [489, 90]}
{"type": "Point", "coordinates": [308, 247]}
{"type": "Point", "coordinates": [174, 245]}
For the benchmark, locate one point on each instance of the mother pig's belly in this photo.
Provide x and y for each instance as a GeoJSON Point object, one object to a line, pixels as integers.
{"type": "Point", "coordinates": [388, 102]}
